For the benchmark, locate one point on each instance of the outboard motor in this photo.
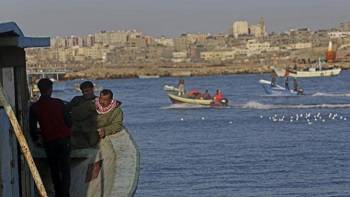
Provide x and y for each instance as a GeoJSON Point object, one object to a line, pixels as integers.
{"type": "Point", "coordinates": [224, 101]}
{"type": "Point", "coordinates": [300, 91]}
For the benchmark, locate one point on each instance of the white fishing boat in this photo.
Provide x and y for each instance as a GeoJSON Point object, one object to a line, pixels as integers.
{"type": "Point", "coordinates": [278, 90]}
{"type": "Point", "coordinates": [311, 72]}
{"type": "Point", "coordinates": [314, 71]}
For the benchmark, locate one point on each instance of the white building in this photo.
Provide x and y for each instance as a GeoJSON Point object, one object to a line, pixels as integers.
{"type": "Point", "coordinates": [165, 41]}
{"type": "Point", "coordinates": [180, 57]}
{"type": "Point", "coordinates": [338, 34]}
{"type": "Point", "coordinates": [240, 28]}
{"type": "Point", "coordinates": [253, 45]}
{"type": "Point", "coordinates": [218, 55]}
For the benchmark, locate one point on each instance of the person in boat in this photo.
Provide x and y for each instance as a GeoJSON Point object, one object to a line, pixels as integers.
{"type": "Point", "coordinates": [55, 133]}
{"type": "Point", "coordinates": [218, 96]}
{"type": "Point", "coordinates": [181, 87]}
{"type": "Point", "coordinates": [194, 94]}
{"type": "Point", "coordinates": [84, 115]}
{"type": "Point", "coordinates": [273, 80]}
{"type": "Point", "coordinates": [296, 87]}
{"type": "Point", "coordinates": [110, 115]}
{"type": "Point", "coordinates": [286, 83]}
{"type": "Point", "coordinates": [295, 67]}
{"type": "Point", "coordinates": [206, 95]}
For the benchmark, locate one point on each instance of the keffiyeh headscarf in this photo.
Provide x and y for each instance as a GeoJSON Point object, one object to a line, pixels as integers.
{"type": "Point", "coordinates": [104, 110]}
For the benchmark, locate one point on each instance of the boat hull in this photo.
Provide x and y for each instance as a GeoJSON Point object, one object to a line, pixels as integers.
{"type": "Point", "coordinates": [183, 100]}
{"type": "Point", "coordinates": [281, 72]}
{"type": "Point", "coordinates": [276, 90]}
{"type": "Point", "coordinates": [110, 169]}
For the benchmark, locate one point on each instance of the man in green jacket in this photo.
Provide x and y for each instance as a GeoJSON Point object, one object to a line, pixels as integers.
{"type": "Point", "coordinates": [84, 115]}
{"type": "Point", "coordinates": [110, 115]}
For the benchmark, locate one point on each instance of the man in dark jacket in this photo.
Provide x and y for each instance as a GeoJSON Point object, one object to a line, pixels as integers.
{"type": "Point", "coordinates": [84, 115]}
{"type": "Point", "coordinates": [50, 113]}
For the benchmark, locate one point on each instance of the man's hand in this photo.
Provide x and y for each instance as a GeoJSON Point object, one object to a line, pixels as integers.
{"type": "Point", "coordinates": [101, 133]}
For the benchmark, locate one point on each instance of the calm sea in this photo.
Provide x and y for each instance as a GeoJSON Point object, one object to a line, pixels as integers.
{"type": "Point", "coordinates": [259, 146]}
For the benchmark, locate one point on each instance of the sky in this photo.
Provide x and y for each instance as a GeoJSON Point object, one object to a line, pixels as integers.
{"type": "Point", "coordinates": [168, 17]}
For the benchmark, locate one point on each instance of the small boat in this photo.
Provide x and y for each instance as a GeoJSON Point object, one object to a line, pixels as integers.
{"type": "Point", "coordinates": [278, 90]}
{"type": "Point", "coordinates": [174, 97]}
{"type": "Point", "coordinates": [314, 71]}
{"type": "Point", "coordinates": [148, 76]}
{"type": "Point", "coordinates": [110, 169]}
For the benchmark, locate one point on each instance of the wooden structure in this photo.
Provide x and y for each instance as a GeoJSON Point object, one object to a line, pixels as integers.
{"type": "Point", "coordinates": [16, 180]}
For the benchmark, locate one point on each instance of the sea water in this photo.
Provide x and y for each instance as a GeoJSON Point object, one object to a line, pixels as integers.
{"type": "Point", "coordinates": [258, 146]}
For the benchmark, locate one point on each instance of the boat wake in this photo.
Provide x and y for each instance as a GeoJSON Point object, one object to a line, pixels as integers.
{"type": "Point", "coordinates": [331, 94]}
{"type": "Point", "coordinates": [280, 95]}
{"type": "Point", "coordinates": [257, 105]}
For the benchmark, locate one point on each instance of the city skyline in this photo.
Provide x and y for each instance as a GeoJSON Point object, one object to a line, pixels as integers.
{"type": "Point", "coordinates": [169, 18]}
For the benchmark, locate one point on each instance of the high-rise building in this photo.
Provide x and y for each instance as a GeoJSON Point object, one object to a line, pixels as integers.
{"type": "Point", "coordinates": [262, 27]}
{"type": "Point", "coordinates": [240, 28]}
{"type": "Point", "coordinates": [243, 28]}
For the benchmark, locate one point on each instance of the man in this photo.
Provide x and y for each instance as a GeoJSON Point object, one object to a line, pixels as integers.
{"type": "Point", "coordinates": [83, 113]}
{"type": "Point", "coordinates": [110, 115]}
{"type": "Point", "coordinates": [295, 85]}
{"type": "Point", "coordinates": [286, 84]}
{"type": "Point", "coordinates": [50, 113]}
{"type": "Point", "coordinates": [181, 87]}
{"type": "Point", "coordinates": [206, 95]}
{"type": "Point", "coordinates": [218, 96]}
{"type": "Point", "coordinates": [273, 80]}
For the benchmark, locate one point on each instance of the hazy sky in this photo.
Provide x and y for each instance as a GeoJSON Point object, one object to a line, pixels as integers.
{"type": "Point", "coordinates": [168, 17]}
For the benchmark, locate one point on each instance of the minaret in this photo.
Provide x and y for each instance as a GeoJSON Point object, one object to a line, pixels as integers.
{"type": "Point", "coordinates": [262, 26]}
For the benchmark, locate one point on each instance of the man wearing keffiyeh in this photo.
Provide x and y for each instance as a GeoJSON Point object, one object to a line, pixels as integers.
{"type": "Point", "coordinates": [110, 115]}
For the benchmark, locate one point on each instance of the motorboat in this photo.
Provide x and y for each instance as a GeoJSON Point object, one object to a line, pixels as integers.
{"type": "Point", "coordinates": [194, 97]}
{"type": "Point", "coordinates": [277, 90]}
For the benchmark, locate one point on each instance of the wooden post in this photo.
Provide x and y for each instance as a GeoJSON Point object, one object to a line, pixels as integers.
{"type": "Point", "coordinates": [23, 144]}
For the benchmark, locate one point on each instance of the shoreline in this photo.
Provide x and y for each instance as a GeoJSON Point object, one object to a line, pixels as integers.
{"type": "Point", "coordinates": [136, 72]}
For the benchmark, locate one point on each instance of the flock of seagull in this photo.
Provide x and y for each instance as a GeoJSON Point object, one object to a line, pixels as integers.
{"type": "Point", "coordinates": [306, 117]}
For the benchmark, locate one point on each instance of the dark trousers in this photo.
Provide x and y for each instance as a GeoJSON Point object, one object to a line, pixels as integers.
{"type": "Point", "coordinates": [58, 156]}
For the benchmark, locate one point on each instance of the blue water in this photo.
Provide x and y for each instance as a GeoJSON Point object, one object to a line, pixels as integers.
{"type": "Point", "coordinates": [247, 149]}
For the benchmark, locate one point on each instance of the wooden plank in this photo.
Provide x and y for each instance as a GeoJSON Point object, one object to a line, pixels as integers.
{"type": "Point", "coordinates": [23, 144]}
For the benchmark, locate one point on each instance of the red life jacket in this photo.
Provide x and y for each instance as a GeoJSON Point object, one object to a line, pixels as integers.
{"type": "Point", "coordinates": [218, 97]}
